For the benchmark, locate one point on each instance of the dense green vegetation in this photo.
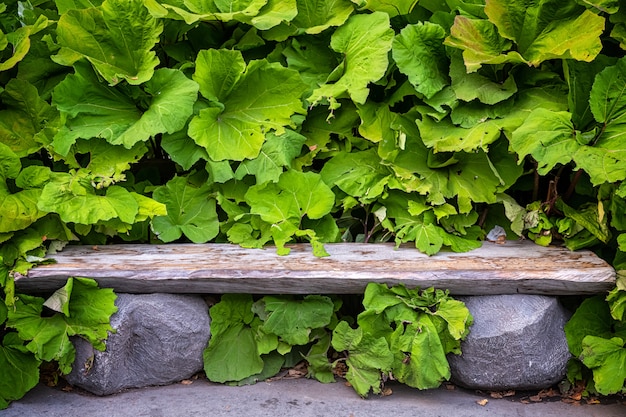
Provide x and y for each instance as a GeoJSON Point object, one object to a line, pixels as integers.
{"type": "Point", "coordinates": [263, 122]}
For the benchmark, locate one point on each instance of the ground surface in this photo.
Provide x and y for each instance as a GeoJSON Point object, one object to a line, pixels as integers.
{"type": "Point", "coordinates": [297, 398]}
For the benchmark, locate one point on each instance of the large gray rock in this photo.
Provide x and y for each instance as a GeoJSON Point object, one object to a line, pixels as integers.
{"type": "Point", "coordinates": [159, 339]}
{"type": "Point", "coordinates": [516, 342]}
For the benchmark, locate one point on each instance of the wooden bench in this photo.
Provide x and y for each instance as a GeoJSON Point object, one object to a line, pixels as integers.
{"type": "Point", "coordinates": [516, 267]}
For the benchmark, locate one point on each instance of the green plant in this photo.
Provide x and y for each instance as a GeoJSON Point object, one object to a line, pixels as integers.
{"type": "Point", "coordinates": [268, 122]}
{"type": "Point", "coordinates": [403, 334]}
{"type": "Point", "coordinates": [79, 308]}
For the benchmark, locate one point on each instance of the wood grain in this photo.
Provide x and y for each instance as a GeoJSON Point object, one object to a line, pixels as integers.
{"type": "Point", "coordinates": [510, 268]}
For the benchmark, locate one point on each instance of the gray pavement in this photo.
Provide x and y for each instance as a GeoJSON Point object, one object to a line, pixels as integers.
{"type": "Point", "coordinates": [295, 398]}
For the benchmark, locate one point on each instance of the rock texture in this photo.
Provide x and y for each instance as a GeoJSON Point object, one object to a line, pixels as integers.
{"type": "Point", "coordinates": [516, 342]}
{"type": "Point", "coordinates": [159, 339]}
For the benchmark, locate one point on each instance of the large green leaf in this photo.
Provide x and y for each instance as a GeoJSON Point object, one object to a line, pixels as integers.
{"type": "Point", "coordinates": [311, 57]}
{"type": "Point", "coordinates": [540, 29]}
{"type": "Point", "coordinates": [593, 317]}
{"type": "Point", "coordinates": [24, 118]}
{"type": "Point", "coordinates": [108, 163]}
{"type": "Point", "coordinates": [116, 37]}
{"type": "Point", "coordinates": [20, 369]}
{"type": "Point", "coordinates": [194, 10]}
{"type": "Point", "coordinates": [10, 164]}
{"type": "Point", "coordinates": [274, 13]}
{"type": "Point", "coordinates": [547, 29]}
{"type": "Point", "coordinates": [548, 136]}
{"type": "Point", "coordinates": [295, 195]}
{"type": "Point", "coordinates": [190, 211]}
{"type": "Point", "coordinates": [607, 359]}
{"type": "Point", "coordinates": [263, 99]}
{"type": "Point", "coordinates": [232, 353]}
{"type": "Point", "coordinates": [481, 43]}
{"type": "Point", "coordinates": [21, 41]}
{"type": "Point", "coordinates": [580, 78]}
{"type": "Point", "coordinates": [218, 72]}
{"type": "Point", "coordinates": [605, 159]}
{"type": "Point", "coordinates": [444, 136]}
{"type": "Point", "coordinates": [420, 359]}
{"type": "Point", "coordinates": [73, 197]}
{"type": "Point", "coordinates": [368, 357]}
{"type": "Point", "coordinates": [315, 16]}
{"type": "Point", "coordinates": [359, 174]}
{"type": "Point", "coordinates": [18, 210]}
{"type": "Point", "coordinates": [93, 109]}
{"type": "Point", "coordinates": [419, 53]}
{"type": "Point", "coordinates": [293, 320]}
{"type": "Point", "coordinates": [468, 87]}
{"type": "Point", "coordinates": [365, 41]}
{"type": "Point", "coordinates": [90, 310]}
{"type": "Point", "coordinates": [276, 153]}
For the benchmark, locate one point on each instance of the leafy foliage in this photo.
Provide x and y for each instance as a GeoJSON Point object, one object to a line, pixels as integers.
{"type": "Point", "coordinates": [404, 332]}
{"type": "Point", "coordinates": [245, 334]}
{"type": "Point", "coordinates": [271, 122]}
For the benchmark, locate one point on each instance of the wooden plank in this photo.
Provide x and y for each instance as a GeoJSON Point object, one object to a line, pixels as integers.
{"type": "Point", "coordinates": [510, 268]}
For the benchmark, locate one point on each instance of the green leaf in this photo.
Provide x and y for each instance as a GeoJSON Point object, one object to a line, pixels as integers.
{"type": "Point", "coordinates": [548, 29]}
{"type": "Point", "coordinates": [368, 357]}
{"type": "Point", "coordinates": [419, 53]}
{"type": "Point", "coordinates": [617, 299]}
{"type": "Point", "coordinates": [76, 201]}
{"type": "Point", "coordinates": [608, 95]}
{"type": "Point", "coordinates": [481, 43]}
{"type": "Point", "coordinates": [232, 355]}
{"type": "Point", "coordinates": [90, 310]}
{"type": "Point", "coordinates": [21, 41]}
{"type": "Point", "coordinates": [295, 195]}
{"type": "Point", "coordinates": [365, 41]}
{"type": "Point", "coordinates": [18, 210]}
{"type": "Point", "coordinates": [548, 136]}
{"type": "Point", "coordinates": [580, 77]}
{"type": "Point", "coordinates": [590, 217]}
{"type": "Point", "coordinates": [93, 109]}
{"type": "Point", "coordinates": [191, 211]}
{"type": "Point", "coordinates": [20, 369]}
{"type": "Point", "coordinates": [315, 16]}
{"type": "Point", "coordinates": [264, 99]}
{"type": "Point", "coordinates": [116, 38]}
{"type": "Point", "coordinates": [319, 366]}
{"type": "Point", "coordinates": [274, 13]}
{"type": "Point", "coordinates": [591, 318]}
{"type": "Point", "coordinates": [10, 165]}
{"type": "Point", "coordinates": [359, 174]}
{"type": "Point", "coordinates": [24, 118]}
{"type": "Point", "coordinates": [444, 136]}
{"type": "Point", "coordinates": [420, 360]}
{"type": "Point", "coordinates": [193, 10]}
{"type": "Point", "coordinates": [456, 315]}
{"type": "Point", "coordinates": [310, 56]}
{"type": "Point", "coordinates": [108, 163]}
{"type": "Point", "coordinates": [276, 153]}
{"type": "Point", "coordinates": [607, 359]}
{"type": "Point", "coordinates": [218, 72]}
{"type": "Point", "coordinates": [293, 320]}
{"type": "Point", "coordinates": [392, 8]}
{"type": "Point", "coordinates": [231, 309]}
{"type": "Point", "coordinates": [468, 87]}
{"type": "Point", "coordinates": [182, 149]}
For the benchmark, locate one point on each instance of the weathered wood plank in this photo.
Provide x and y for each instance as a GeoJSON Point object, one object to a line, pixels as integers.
{"type": "Point", "coordinates": [514, 267]}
